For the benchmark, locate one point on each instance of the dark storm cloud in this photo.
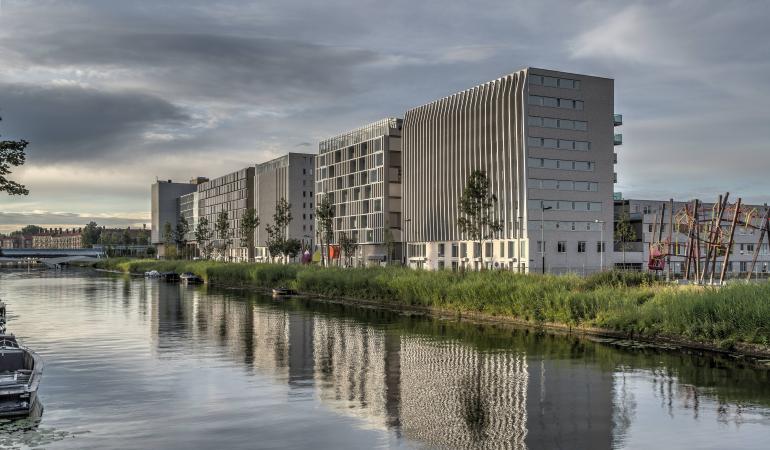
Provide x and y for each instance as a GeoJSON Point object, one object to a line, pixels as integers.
{"type": "Point", "coordinates": [72, 123]}
{"type": "Point", "coordinates": [204, 65]}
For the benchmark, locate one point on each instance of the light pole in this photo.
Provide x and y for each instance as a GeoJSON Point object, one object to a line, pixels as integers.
{"type": "Point", "coordinates": [543, 209]}
{"type": "Point", "coordinates": [403, 243]}
{"type": "Point", "coordinates": [601, 253]}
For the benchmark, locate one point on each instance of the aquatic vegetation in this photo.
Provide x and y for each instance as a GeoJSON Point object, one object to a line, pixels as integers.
{"type": "Point", "coordinates": [619, 301]}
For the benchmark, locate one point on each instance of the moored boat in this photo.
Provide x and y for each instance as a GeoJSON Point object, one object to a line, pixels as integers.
{"type": "Point", "coordinates": [190, 278]}
{"type": "Point", "coordinates": [20, 373]}
{"type": "Point", "coordinates": [169, 276]}
{"type": "Point", "coordinates": [282, 292]}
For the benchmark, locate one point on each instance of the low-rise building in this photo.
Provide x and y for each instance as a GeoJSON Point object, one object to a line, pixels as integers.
{"type": "Point", "coordinates": [58, 239]}
{"type": "Point", "coordinates": [643, 215]}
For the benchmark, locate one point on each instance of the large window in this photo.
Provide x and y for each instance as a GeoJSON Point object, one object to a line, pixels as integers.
{"type": "Point", "coordinates": [581, 247]}
{"type": "Point", "coordinates": [561, 164]}
{"type": "Point", "coordinates": [553, 102]}
{"type": "Point", "coordinates": [564, 83]}
{"type": "Point", "coordinates": [561, 247]}
{"type": "Point", "coordinates": [561, 144]}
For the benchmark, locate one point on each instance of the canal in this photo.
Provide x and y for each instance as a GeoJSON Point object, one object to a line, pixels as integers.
{"type": "Point", "coordinates": [133, 363]}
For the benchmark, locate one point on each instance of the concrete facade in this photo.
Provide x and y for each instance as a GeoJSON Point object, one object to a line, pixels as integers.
{"type": "Point", "coordinates": [232, 193]}
{"type": "Point", "coordinates": [164, 207]}
{"type": "Point", "coordinates": [289, 177]}
{"type": "Point", "coordinates": [360, 170]}
{"type": "Point", "coordinates": [545, 140]}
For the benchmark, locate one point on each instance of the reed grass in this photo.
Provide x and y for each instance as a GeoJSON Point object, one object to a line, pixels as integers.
{"type": "Point", "coordinates": [625, 302]}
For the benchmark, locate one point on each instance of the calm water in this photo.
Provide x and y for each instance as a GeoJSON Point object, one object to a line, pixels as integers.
{"type": "Point", "coordinates": [141, 364]}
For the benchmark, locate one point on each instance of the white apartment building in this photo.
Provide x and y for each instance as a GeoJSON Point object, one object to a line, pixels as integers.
{"type": "Point", "coordinates": [360, 171]}
{"type": "Point", "coordinates": [546, 141]}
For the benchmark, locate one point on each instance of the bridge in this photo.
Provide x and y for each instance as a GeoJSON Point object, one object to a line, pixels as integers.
{"type": "Point", "coordinates": [51, 257]}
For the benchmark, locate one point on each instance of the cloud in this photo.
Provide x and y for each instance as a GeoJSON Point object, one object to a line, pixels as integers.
{"type": "Point", "coordinates": [68, 123]}
{"type": "Point", "coordinates": [11, 221]}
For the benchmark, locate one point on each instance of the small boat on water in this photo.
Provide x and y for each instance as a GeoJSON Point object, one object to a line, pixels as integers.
{"type": "Point", "coordinates": [171, 277]}
{"type": "Point", "coordinates": [20, 373]}
{"type": "Point", "coordinates": [283, 292]}
{"type": "Point", "coordinates": [152, 274]}
{"type": "Point", "coordinates": [190, 278]}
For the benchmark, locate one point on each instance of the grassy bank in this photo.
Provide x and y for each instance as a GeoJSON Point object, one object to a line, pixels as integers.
{"type": "Point", "coordinates": [628, 303]}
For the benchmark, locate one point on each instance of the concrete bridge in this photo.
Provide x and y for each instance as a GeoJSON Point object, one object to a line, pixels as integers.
{"type": "Point", "coordinates": [51, 257]}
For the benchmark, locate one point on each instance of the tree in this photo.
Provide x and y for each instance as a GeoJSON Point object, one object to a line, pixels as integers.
{"type": "Point", "coordinates": [276, 233]}
{"type": "Point", "coordinates": [324, 215]}
{"type": "Point", "coordinates": [203, 237]}
{"type": "Point", "coordinates": [390, 244]}
{"type": "Point", "coordinates": [180, 234]}
{"type": "Point", "coordinates": [275, 242]}
{"type": "Point", "coordinates": [249, 224]}
{"type": "Point", "coordinates": [127, 239]}
{"type": "Point", "coordinates": [12, 154]}
{"type": "Point", "coordinates": [224, 234]}
{"type": "Point", "coordinates": [292, 247]}
{"type": "Point", "coordinates": [168, 237]}
{"type": "Point", "coordinates": [32, 229]}
{"type": "Point", "coordinates": [624, 232]}
{"type": "Point", "coordinates": [90, 234]}
{"type": "Point", "coordinates": [477, 210]}
{"type": "Point", "coordinates": [348, 246]}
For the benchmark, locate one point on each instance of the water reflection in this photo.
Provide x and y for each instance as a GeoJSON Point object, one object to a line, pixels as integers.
{"type": "Point", "coordinates": [407, 380]}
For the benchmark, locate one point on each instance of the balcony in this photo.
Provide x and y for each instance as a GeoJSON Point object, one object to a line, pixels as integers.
{"type": "Point", "coordinates": [618, 140]}
{"type": "Point", "coordinates": [617, 119]}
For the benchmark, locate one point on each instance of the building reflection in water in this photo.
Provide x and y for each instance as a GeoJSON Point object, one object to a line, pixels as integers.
{"type": "Point", "coordinates": [442, 393]}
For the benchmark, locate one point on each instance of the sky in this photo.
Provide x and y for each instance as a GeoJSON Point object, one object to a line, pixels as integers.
{"type": "Point", "coordinates": [112, 95]}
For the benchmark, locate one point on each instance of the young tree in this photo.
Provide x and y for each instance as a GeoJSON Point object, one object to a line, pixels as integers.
{"type": "Point", "coordinates": [168, 238]}
{"type": "Point", "coordinates": [249, 223]}
{"type": "Point", "coordinates": [276, 233]}
{"type": "Point", "coordinates": [477, 210]}
{"type": "Point", "coordinates": [222, 228]}
{"type": "Point", "coordinates": [203, 237]}
{"type": "Point", "coordinates": [349, 247]}
{"type": "Point", "coordinates": [624, 233]}
{"type": "Point", "coordinates": [292, 247]}
{"type": "Point", "coordinates": [390, 245]}
{"type": "Point", "coordinates": [276, 241]}
{"type": "Point", "coordinates": [324, 214]}
{"type": "Point", "coordinates": [12, 154]}
{"type": "Point", "coordinates": [180, 235]}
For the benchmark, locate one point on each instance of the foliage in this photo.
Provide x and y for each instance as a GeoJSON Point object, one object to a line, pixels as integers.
{"type": "Point", "coordinates": [180, 233]}
{"type": "Point", "coordinates": [348, 246]}
{"type": "Point", "coordinates": [624, 302]}
{"type": "Point", "coordinates": [624, 232]}
{"type": "Point", "coordinates": [277, 243]}
{"type": "Point", "coordinates": [224, 234]}
{"type": "Point", "coordinates": [32, 229]}
{"type": "Point", "coordinates": [12, 154]}
{"type": "Point", "coordinates": [249, 224]}
{"type": "Point", "coordinates": [292, 247]}
{"type": "Point", "coordinates": [90, 234]}
{"type": "Point", "coordinates": [168, 238]}
{"type": "Point", "coordinates": [477, 216]}
{"type": "Point", "coordinates": [390, 244]}
{"type": "Point", "coordinates": [203, 237]}
{"type": "Point", "coordinates": [324, 215]}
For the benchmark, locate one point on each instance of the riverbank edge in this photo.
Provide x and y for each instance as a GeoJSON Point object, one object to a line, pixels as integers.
{"type": "Point", "coordinates": [663, 341]}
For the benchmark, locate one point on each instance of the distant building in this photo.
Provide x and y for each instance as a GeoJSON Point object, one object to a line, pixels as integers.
{"type": "Point", "coordinates": [545, 140]}
{"type": "Point", "coordinates": [289, 177]}
{"type": "Point", "coordinates": [164, 208]}
{"type": "Point", "coordinates": [58, 239]}
{"type": "Point", "coordinates": [642, 216]}
{"type": "Point", "coordinates": [360, 171]}
{"type": "Point", "coordinates": [10, 242]}
{"type": "Point", "coordinates": [232, 193]}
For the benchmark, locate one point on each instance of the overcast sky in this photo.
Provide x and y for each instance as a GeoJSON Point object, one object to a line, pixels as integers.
{"type": "Point", "coordinates": [113, 94]}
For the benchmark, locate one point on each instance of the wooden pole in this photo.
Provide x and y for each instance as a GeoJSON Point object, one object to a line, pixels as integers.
{"type": "Point", "coordinates": [670, 236]}
{"type": "Point", "coordinates": [709, 248]}
{"type": "Point", "coordinates": [762, 231]}
{"type": "Point", "coordinates": [722, 208]}
{"type": "Point", "coordinates": [730, 241]}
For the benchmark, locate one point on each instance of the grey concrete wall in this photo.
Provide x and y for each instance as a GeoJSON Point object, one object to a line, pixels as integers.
{"type": "Point", "coordinates": [164, 206]}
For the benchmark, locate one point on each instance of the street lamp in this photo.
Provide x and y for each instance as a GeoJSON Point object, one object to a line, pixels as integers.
{"type": "Point", "coordinates": [403, 243]}
{"type": "Point", "coordinates": [601, 238]}
{"type": "Point", "coordinates": [543, 209]}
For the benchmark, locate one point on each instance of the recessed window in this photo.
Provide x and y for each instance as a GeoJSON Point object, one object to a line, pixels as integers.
{"type": "Point", "coordinates": [581, 247]}
{"type": "Point", "coordinates": [561, 247]}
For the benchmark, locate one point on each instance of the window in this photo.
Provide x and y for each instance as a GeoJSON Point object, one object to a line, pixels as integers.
{"type": "Point", "coordinates": [540, 246]}
{"type": "Point", "coordinates": [561, 246]}
{"type": "Point", "coordinates": [581, 248]}
{"type": "Point", "coordinates": [454, 266]}
{"type": "Point", "coordinates": [454, 250]}
{"type": "Point", "coordinates": [440, 250]}
{"type": "Point", "coordinates": [441, 265]}
{"type": "Point", "coordinates": [463, 250]}
{"type": "Point", "coordinates": [510, 249]}
{"type": "Point", "coordinates": [600, 247]}
{"type": "Point", "coordinates": [488, 250]}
